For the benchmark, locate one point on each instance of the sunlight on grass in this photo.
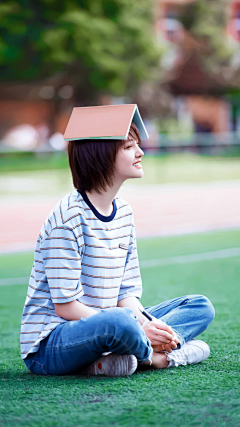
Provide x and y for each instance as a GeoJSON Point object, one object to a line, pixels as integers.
{"type": "Point", "coordinates": [188, 168]}
{"type": "Point", "coordinates": [174, 168]}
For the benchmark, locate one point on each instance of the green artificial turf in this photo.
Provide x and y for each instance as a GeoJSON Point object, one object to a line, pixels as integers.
{"type": "Point", "coordinates": [207, 394]}
{"type": "Point", "coordinates": [158, 169]}
{"type": "Point", "coordinates": [23, 161]}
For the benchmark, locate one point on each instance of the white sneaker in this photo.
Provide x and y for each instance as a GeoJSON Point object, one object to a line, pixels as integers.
{"type": "Point", "coordinates": [193, 351]}
{"type": "Point", "coordinates": [112, 365]}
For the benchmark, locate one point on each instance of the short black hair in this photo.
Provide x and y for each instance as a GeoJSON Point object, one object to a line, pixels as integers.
{"type": "Point", "coordinates": [92, 162]}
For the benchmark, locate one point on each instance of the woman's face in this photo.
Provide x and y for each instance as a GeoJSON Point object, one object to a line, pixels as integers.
{"type": "Point", "coordinates": [128, 161]}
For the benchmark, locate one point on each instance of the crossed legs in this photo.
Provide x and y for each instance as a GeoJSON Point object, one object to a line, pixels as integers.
{"type": "Point", "coordinates": [74, 345]}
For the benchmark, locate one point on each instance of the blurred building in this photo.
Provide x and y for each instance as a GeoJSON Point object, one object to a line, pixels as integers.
{"type": "Point", "coordinates": [197, 91]}
{"type": "Point", "coordinates": [39, 109]}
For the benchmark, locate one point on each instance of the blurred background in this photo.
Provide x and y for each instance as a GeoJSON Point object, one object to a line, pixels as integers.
{"type": "Point", "coordinates": [179, 60]}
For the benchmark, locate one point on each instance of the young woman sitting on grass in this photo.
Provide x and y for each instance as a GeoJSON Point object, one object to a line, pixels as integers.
{"type": "Point", "coordinates": [83, 296]}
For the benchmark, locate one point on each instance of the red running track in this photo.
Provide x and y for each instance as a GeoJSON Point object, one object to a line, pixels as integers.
{"type": "Point", "coordinates": [159, 210]}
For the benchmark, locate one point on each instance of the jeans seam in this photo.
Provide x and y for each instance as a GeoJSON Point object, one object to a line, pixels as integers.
{"type": "Point", "coordinates": [88, 340]}
{"type": "Point", "coordinates": [39, 363]}
{"type": "Point", "coordinates": [75, 343]}
{"type": "Point", "coordinates": [183, 302]}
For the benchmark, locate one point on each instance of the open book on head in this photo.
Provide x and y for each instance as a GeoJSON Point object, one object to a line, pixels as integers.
{"type": "Point", "coordinates": [104, 122]}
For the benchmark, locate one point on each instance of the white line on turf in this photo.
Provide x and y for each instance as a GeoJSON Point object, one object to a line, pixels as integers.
{"type": "Point", "coordinates": [181, 259]}
{"type": "Point", "coordinates": [186, 259]}
{"type": "Point", "coordinates": [14, 281]}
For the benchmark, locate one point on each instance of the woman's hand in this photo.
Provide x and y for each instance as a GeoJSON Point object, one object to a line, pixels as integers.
{"type": "Point", "coordinates": [165, 347]}
{"type": "Point", "coordinates": [161, 336]}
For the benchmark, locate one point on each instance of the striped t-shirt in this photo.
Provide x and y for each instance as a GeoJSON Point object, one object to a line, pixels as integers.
{"type": "Point", "coordinates": [80, 254]}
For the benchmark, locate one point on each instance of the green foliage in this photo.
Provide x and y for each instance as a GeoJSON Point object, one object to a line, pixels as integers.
{"type": "Point", "coordinates": [207, 20]}
{"type": "Point", "coordinates": [202, 395]}
{"type": "Point", "coordinates": [97, 44]}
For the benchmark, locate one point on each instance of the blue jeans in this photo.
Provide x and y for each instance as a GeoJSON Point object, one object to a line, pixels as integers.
{"type": "Point", "coordinates": [73, 345]}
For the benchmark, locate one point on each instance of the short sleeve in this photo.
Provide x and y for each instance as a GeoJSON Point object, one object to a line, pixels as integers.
{"type": "Point", "coordinates": [61, 254]}
{"type": "Point", "coordinates": [131, 285]}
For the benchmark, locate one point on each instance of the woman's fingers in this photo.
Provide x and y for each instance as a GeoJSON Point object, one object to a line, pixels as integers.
{"type": "Point", "coordinates": [163, 326]}
{"type": "Point", "coordinates": [173, 345]}
{"type": "Point", "coordinates": [156, 343]}
{"type": "Point", "coordinates": [163, 334]}
{"type": "Point", "coordinates": [168, 348]}
{"type": "Point", "coordinates": [158, 348]}
{"type": "Point", "coordinates": [157, 340]}
{"type": "Point", "coordinates": [158, 335]}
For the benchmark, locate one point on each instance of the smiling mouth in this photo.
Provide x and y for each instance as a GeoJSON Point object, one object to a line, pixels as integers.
{"type": "Point", "coordinates": [137, 165]}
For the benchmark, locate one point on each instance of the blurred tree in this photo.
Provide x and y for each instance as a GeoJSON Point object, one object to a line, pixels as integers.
{"type": "Point", "coordinates": [100, 45]}
{"type": "Point", "coordinates": [207, 20]}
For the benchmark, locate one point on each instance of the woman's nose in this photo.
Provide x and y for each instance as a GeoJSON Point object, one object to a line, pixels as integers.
{"type": "Point", "coordinates": [140, 152]}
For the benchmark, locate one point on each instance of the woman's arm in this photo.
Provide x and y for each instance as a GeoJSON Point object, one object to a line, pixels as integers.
{"type": "Point", "coordinates": [135, 305]}
{"type": "Point", "coordinates": [73, 310]}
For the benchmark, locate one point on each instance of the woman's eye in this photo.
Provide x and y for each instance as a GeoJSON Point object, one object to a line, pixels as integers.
{"type": "Point", "coordinates": [128, 146]}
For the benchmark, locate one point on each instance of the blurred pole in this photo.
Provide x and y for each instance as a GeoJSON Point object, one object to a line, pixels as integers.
{"type": "Point", "coordinates": [155, 13]}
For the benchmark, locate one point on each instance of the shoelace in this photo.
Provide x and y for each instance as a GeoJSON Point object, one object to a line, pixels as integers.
{"type": "Point", "coordinates": [180, 357]}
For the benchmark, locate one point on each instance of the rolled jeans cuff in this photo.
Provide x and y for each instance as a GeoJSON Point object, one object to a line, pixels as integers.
{"type": "Point", "coordinates": [180, 339]}
{"type": "Point", "coordinates": [148, 358]}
